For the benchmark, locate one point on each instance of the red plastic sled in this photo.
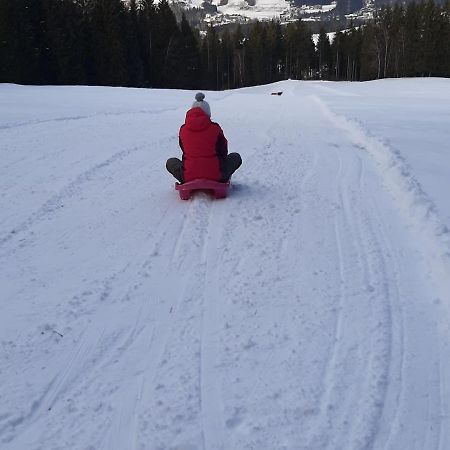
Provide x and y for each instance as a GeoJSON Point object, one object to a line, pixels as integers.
{"type": "Point", "coordinates": [219, 190]}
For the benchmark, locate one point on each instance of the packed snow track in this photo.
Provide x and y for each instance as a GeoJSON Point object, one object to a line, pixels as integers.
{"type": "Point", "coordinates": [308, 310]}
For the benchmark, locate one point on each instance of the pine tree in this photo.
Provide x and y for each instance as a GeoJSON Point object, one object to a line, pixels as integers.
{"type": "Point", "coordinates": [66, 40]}
{"type": "Point", "coordinates": [354, 44]}
{"type": "Point", "coordinates": [336, 56]}
{"type": "Point", "coordinates": [258, 63]}
{"type": "Point", "coordinates": [147, 31]}
{"type": "Point", "coordinates": [106, 42]}
{"type": "Point", "coordinates": [409, 38]}
{"type": "Point", "coordinates": [430, 39]}
{"type": "Point", "coordinates": [300, 51]}
{"type": "Point", "coordinates": [239, 60]}
{"type": "Point", "coordinates": [107, 31]}
{"type": "Point", "coordinates": [275, 50]}
{"type": "Point", "coordinates": [210, 60]}
{"type": "Point", "coordinates": [14, 66]}
{"type": "Point", "coordinates": [445, 56]}
{"type": "Point", "coordinates": [24, 47]}
{"type": "Point", "coordinates": [189, 62]}
{"type": "Point", "coordinates": [167, 48]}
{"type": "Point", "coordinates": [371, 54]}
{"type": "Point", "coordinates": [227, 52]}
{"type": "Point", "coordinates": [323, 55]}
{"type": "Point", "coordinates": [133, 50]}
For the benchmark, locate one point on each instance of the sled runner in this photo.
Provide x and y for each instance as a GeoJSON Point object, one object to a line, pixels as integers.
{"type": "Point", "coordinates": [219, 190]}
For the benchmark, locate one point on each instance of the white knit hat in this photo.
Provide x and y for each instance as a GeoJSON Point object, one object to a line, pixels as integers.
{"type": "Point", "coordinates": [200, 103]}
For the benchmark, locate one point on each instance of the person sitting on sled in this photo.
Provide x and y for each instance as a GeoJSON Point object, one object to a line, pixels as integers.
{"type": "Point", "coordinates": [204, 147]}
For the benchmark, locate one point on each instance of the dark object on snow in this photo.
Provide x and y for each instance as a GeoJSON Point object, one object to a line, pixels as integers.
{"type": "Point", "coordinates": [219, 190]}
{"type": "Point", "coordinates": [276, 93]}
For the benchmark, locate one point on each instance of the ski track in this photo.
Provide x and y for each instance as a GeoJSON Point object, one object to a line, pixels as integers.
{"type": "Point", "coordinates": [74, 188]}
{"type": "Point", "coordinates": [71, 189]}
{"type": "Point", "coordinates": [290, 322]}
{"type": "Point", "coordinates": [402, 189]}
{"type": "Point", "coordinates": [210, 397]}
{"type": "Point", "coordinates": [76, 118]}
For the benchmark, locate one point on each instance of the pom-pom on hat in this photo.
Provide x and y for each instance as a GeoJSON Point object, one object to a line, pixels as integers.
{"type": "Point", "coordinates": [200, 103]}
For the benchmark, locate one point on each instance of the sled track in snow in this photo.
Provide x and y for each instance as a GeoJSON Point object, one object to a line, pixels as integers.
{"type": "Point", "coordinates": [100, 346]}
{"type": "Point", "coordinates": [55, 120]}
{"type": "Point", "coordinates": [197, 246]}
{"type": "Point", "coordinates": [410, 198]}
{"type": "Point", "coordinates": [371, 262]}
{"type": "Point", "coordinates": [73, 189]}
{"type": "Point", "coordinates": [211, 403]}
{"type": "Point", "coordinates": [390, 332]}
{"type": "Point", "coordinates": [13, 126]}
{"type": "Point", "coordinates": [362, 284]}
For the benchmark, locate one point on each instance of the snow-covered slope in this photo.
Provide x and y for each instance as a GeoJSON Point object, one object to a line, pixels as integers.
{"type": "Point", "coordinates": [251, 9]}
{"type": "Point", "coordinates": [257, 9]}
{"type": "Point", "coordinates": [309, 310]}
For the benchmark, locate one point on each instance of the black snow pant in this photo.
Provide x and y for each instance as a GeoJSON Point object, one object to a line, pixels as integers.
{"type": "Point", "coordinates": [227, 167]}
{"type": "Point", "coordinates": [175, 167]}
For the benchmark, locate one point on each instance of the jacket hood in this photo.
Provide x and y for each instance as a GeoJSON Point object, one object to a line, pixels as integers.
{"type": "Point", "coordinates": [197, 119]}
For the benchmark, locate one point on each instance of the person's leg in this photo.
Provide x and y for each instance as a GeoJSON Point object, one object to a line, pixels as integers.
{"type": "Point", "coordinates": [175, 167]}
{"type": "Point", "coordinates": [232, 163]}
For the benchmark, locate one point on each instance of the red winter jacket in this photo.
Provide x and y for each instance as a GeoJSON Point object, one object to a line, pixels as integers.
{"type": "Point", "coordinates": [204, 147]}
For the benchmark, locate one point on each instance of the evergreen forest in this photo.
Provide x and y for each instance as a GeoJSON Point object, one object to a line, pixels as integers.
{"type": "Point", "coordinates": [141, 44]}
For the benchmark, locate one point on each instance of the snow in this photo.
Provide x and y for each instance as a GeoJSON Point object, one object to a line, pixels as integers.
{"type": "Point", "coordinates": [309, 310]}
{"type": "Point", "coordinates": [331, 36]}
{"type": "Point", "coordinates": [263, 9]}
{"type": "Point", "coordinates": [318, 9]}
{"type": "Point", "coordinates": [266, 9]}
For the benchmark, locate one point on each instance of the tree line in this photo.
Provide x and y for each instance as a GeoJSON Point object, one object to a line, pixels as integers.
{"type": "Point", "coordinates": [140, 44]}
{"type": "Point", "coordinates": [402, 41]}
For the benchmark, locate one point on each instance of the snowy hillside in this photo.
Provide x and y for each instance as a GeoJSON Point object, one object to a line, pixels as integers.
{"type": "Point", "coordinates": [309, 310]}
{"type": "Point", "coordinates": [257, 9]}
{"type": "Point", "coordinates": [254, 9]}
